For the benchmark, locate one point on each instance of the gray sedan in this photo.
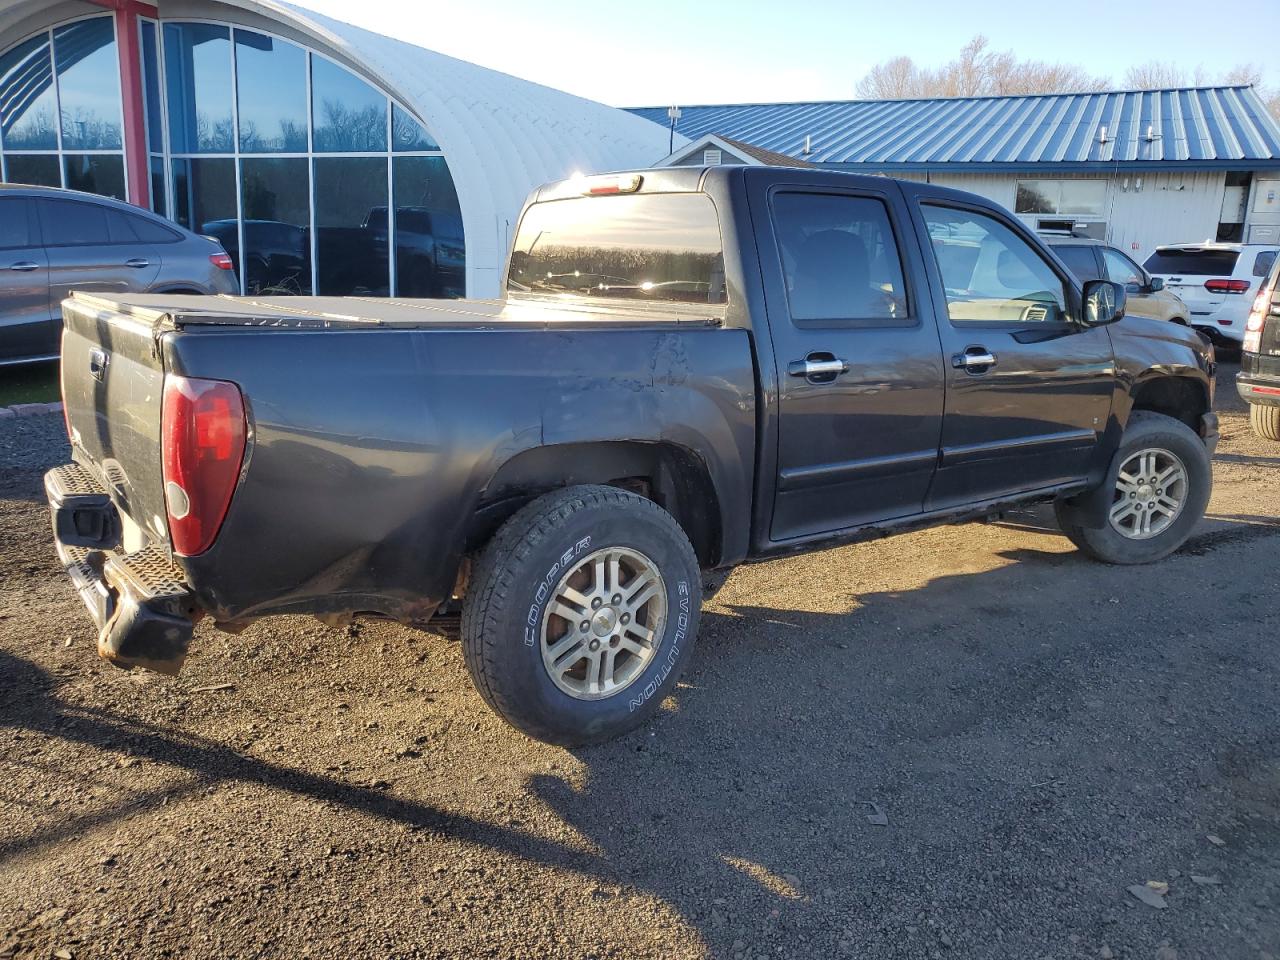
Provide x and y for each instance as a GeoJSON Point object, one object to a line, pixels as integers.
{"type": "Point", "coordinates": [55, 241]}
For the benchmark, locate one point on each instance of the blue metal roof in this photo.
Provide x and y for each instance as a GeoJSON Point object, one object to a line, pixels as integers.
{"type": "Point", "coordinates": [1225, 127]}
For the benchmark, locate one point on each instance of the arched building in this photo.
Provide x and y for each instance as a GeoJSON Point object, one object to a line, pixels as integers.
{"type": "Point", "coordinates": [289, 136]}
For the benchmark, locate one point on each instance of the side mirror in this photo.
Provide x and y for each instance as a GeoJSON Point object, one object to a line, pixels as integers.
{"type": "Point", "coordinates": [1104, 303]}
{"type": "Point", "coordinates": [1155, 284]}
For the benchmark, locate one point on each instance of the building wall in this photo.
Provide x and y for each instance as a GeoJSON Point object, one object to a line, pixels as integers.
{"type": "Point", "coordinates": [1142, 210]}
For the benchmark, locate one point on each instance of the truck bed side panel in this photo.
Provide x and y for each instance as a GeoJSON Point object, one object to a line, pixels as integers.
{"type": "Point", "coordinates": [371, 448]}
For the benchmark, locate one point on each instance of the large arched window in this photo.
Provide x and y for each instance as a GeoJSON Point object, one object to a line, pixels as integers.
{"type": "Point", "coordinates": [60, 109]}
{"type": "Point", "coordinates": [293, 161]}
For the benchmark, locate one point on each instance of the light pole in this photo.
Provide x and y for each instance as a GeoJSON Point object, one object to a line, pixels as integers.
{"type": "Point", "coordinates": [673, 114]}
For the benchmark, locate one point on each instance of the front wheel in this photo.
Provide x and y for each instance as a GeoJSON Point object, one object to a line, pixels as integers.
{"type": "Point", "coordinates": [581, 614]}
{"type": "Point", "coordinates": [1265, 421]}
{"type": "Point", "coordinates": [1160, 481]}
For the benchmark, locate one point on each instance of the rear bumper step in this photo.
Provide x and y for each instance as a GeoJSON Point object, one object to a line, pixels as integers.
{"type": "Point", "coordinates": [140, 602]}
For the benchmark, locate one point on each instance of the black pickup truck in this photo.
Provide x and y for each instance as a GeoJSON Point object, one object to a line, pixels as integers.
{"type": "Point", "coordinates": [690, 369]}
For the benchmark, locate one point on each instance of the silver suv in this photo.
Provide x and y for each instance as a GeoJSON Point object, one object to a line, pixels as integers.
{"type": "Point", "coordinates": [55, 241]}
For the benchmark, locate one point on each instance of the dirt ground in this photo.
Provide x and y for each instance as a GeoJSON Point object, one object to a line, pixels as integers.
{"type": "Point", "coordinates": [1039, 733]}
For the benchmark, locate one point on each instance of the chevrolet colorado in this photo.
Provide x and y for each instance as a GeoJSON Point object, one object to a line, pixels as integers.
{"type": "Point", "coordinates": [690, 369]}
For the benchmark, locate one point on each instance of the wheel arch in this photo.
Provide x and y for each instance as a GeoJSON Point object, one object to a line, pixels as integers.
{"type": "Point", "coordinates": [673, 476]}
{"type": "Point", "coordinates": [1182, 398]}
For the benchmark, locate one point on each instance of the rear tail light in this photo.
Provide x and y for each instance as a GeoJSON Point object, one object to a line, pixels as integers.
{"type": "Point", "coordinates": [222, 261]}
{"type": "Point", "coordinates": [1253, 326]}
{"type": "Point", "coordinates": [1227, 286]}
{"type": "Point", "coordinates": [202, 446]}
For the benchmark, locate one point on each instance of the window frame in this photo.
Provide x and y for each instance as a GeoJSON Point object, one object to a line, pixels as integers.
{"type": "Point", "coordinates": [911, 320]}
{"type": "Point", "coordinates": [1071, 289]}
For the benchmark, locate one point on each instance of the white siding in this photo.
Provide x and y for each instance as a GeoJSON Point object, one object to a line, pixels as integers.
{"type": "Point", "coordinates": [1142, 211]}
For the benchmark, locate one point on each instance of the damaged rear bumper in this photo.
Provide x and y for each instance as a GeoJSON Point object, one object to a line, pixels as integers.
{"type": "Point", "coordinates": [140, 602]}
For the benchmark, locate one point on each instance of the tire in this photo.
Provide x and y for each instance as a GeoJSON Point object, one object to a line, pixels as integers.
{"type": "Point", "coordinates": [510, 624]}
{"type": "Point", "coordinates": [1265, 421]}
{"type": "Point", "coordinates": [1172, 440]}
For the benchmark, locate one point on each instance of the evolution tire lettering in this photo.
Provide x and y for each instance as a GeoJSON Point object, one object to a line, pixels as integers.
{"type": "Point", "coordinates": [544, 590]}
{"type": "Point", "coordinates": [682, 629]}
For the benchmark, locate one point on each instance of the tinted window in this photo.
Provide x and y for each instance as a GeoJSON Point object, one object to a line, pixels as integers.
{"type": "Point", "coordinates": [38, 169]}
{"type": "Point", "coordinates": [1120, 269]}
{"type": "Point", "coordinates": [88, 84]}
{"type": "Point", "coordinates": [148, 231]}
{"type": "Point", "coordinates": [69, 223]}
{"type": "Point", "coordinates": [349, 115]}
{"type": "Point", "coordinates": [632, 246]}
{"type": "Point", "coordinates": [408, 134]}
{"type": "Point", "coordinates": [840, 259]}
{"type": "Point", "coordinates": [271, 90]}
{"type": "Point", "coordinates": [98, 173]}
{"type": "Point", "coordinates": [204, 194]}
{"type": "Point", "coordinates": [277, 257]}
{"type": "Point", "coordinates": [197, 65]}
{"type": "Point", "coordinates": [1262, 263]}
{"type": "Point", "coordinates": [991, 275]}
{"type": "Point", "coordinates": [350, 258]}
{"type": "Point", "coordinates": [26, 93]}
{"type": "Point", "coordinates": [1199, 263]}
{"type": "Point", "coordinates": [151, 86]}
{"type": "Point", "coordinates": [430, 253]}
{"type": "Point", "coordinates": [1079, 258]}
{"type": "Point", "coordinates": [13, 222]}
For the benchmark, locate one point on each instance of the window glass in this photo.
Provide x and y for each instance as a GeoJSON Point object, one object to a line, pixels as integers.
{"type": "Point", "coordinates": [840, 259]}
{"type": "Point", "coordinates": [349, 192]}
{"type": "Point", "coordinates": [88, 84]}
{"type": "Point", "coordinates": [73, 223]}
{"type": "Point", "coordinates": [159, 201]}
{"type": "Point", "coordinates": [148, 231]}
{"type": "Point", "coordinates": [197, 65]}
{"type": "Point", "coordinates": [1079, 197]}
{"type": "Point", "coordinates": [991, 275]}
{"type": "Point", "coordinates": [277, 232]}
{"type": "Point", "coordinates": [1120, 269]}
{"type": "Point", "coordinates": [204, 197]}
{"type": "Point", "coordinates": [271, 90]}
{"type": "Point", "coordinates": [96, 173]}
{"type": "Point", "coordinates": [633, 246]}
{"type": "Point", "coordinates": [1079, 258]}
{"type": "Point", "coordinates": [27, 97]}
{"type": "Point", "coordinates": [430, 252]}
{"type": "Point", "coordinates": [408, 134]}
{"type": "Point", "coordinates": [13, 223]}
{"type": "Point", "coordinates": [151, 85]}
{"type": "Point", "coordinates": [1262, 263]}
{"type": "Point", "coordinates": [1200, 263]}
{"type": "Point", "coordinates": [38, 169]}
{"type": "Point", "coordinates": [349, 115]}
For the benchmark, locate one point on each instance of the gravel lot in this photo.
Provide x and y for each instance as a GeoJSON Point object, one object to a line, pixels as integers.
{"type": "Point", "coordinates": [1039, 732]}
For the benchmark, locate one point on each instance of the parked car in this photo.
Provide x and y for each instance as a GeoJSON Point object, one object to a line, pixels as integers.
{"type": "Point", "coordinates": [1216, 280]}
{"type": "Point", "coordinates": [1259, 378]}
{"type": "Point", "coordinates": [1095, 260]}
{"type": "Point", "coordinates": [781, 360]}
{"type": "Point", "coordinates": [55, 241]}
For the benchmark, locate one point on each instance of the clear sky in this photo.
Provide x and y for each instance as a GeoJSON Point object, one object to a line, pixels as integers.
{"type": "Point", "coordinates": [720, 51]}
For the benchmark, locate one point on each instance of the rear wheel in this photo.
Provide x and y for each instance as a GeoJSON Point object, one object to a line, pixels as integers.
{"type": "Point", "coordinates": [1160, 481]}
{"type": "Point", "coordinates": [581, 614]}
{"type": "Point", "coordinates": [1265, 421]}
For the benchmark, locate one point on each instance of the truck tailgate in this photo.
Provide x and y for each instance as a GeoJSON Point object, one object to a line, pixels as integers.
{"type": "Point", "coordinates": [112, 384]}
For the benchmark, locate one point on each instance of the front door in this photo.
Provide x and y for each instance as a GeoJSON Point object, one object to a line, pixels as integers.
{"type": "Point", "coordinates": [858, 361]}
{"type": "Point", "coordinates": [93, 247]}
{"type": "Point", "coordinates": [1029, 388]}
{"type": "Point", "coordinates": [26, 328]}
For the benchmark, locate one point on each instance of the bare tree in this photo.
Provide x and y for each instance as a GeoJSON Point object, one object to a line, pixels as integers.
{"type": "Point", "coordinates": [977, 71]}
{"type": "Point", "coordinates": [1155, 74]}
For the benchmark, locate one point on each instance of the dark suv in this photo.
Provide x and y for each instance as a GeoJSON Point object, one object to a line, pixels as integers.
{"type": "Point", "coordinates": [55, 241]}
{"type": "Point", "coordinates": [1259, 378]}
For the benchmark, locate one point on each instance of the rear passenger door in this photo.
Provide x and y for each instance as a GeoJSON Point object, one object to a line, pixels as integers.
{"type": "Point", "coordinates": [93, 247]}
{"type": "Point", "coordinates": [859, 366]}
{"type": "Point", "coordinates": [26, 328]}
{"type": "Point", "coordinates": [1028, 388]}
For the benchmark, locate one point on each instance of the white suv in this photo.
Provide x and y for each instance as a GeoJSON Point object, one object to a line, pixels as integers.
{"type": "Point", "coordinates": [1217, 281]}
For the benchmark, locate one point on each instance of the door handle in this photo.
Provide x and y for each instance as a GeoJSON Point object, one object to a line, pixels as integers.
{"type": "Point", "coordinates": [808, 367]}
{"type": "Point", "coordinates": [24, 266]}
{"type": "Point", "coordinates": [974, 360]}
{"type": "Point", "coordinates": [138, 263]}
